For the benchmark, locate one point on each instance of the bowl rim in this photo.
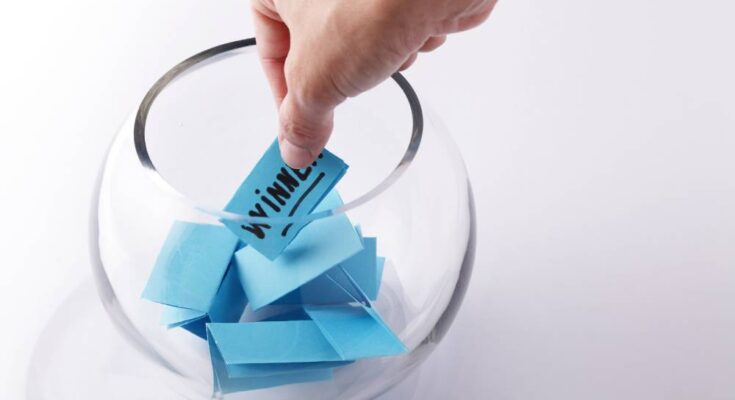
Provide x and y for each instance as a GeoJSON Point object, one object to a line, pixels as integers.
{"type": "Point", "coordinates": [141, 147]}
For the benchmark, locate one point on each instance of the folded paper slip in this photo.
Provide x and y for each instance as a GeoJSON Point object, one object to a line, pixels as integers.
{"type": "Point", "coordinates": [336, 333]}
{"type": "Point", "coordinates": [364, 268]}
{"type": "Point", "coordinates": [230, 379]}
{"type": "Point", "coordinates": [272, 189]}
{"type": "Point", "coordinates": [228, 306]}
{"type": "Point", "coordinates": [355, 331]}
{"type": "Point", "coordinates": [191, 265]}
{"type": "Point", "coordinates": [272, 342]}
{"type": "Point", "coordinates": [261, 370]}
{"type": "Point", "coordinates": [321, 245]}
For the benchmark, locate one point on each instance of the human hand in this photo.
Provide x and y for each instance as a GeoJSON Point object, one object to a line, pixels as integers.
{"type": "Point", "coordinates": [316, 53]}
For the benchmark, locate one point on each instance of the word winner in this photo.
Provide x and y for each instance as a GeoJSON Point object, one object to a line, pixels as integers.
{"type": "Point", "coordinates": [274, 190]}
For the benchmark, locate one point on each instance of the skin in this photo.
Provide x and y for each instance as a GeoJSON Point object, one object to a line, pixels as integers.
{"type": "Point", "coordinates": [317, 53]}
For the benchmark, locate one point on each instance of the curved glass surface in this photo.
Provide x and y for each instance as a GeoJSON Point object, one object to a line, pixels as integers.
{"type": "Point", "coordinates": [141, 146]}
{"type": "Point", "coordinates": [211, 120]}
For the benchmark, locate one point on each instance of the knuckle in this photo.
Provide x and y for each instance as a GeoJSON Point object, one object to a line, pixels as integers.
{"type": "Point", "coordinates": [302, 131]}
{"type": "Point", "coordinates": [312, 83]}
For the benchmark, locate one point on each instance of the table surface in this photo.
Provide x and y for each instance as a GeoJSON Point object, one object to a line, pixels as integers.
{"type": "Point", "coordinates": [599, 137]}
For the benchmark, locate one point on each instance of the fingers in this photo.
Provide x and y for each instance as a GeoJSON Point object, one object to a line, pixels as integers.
{"type": "Point", "coordinates": [433, 43]}
{"type": "Point", "coordinates": [331, 57]}
{"type": "Point", "coordinates": [273, 44]}
{"type": "Point", "coordinates": [317, 53]}
{"type": "Point", "coordinates": [307, 112]}
{"type": "Point", "coordinates": [304, 131]}
{"type": "Point", "coordinates": [476, 17]}
{"type": "Point", "coordinates": [409, 61]}
{"type": "Point", "coordinates": [300, 131]}
{"type": "Point", "coordinates": [430, 44]}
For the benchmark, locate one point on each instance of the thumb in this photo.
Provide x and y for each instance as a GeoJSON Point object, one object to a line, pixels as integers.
{"type": "Point", "coordinates": [326, 63]}
{"type": "Point", "coordinates": [304, 130]}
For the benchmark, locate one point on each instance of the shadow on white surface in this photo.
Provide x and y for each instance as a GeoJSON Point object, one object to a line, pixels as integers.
{"type": "Point", "coordinates": [80, 355]}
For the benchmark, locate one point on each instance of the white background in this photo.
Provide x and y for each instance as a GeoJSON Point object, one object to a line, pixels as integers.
{"type": "Point", "coordinates": [599, 135]}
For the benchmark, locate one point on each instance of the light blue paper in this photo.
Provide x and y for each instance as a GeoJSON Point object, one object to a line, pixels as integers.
{"type": "Point", "coordinates": [334, 333]}
{"type": "Point", "coordinates": [190, 266]}
{"type": "Point", "coordinates": [191, 320]}
{"type": "Point", "coordinates": [261, 370]}
{"type": "Point", "coordinates": [274, 190]}
{"type": "Point", "coordinates": [232, 385]}
{"type": "Point", "coordinates": [362, 267]}
{"type": "Point", "coordinates": [321, 290]}
{"type": "Point", "coordinates": [271, 342]}
{"type": "Point", "coordinates": [379, 272]}
{"type": "Point", "coordinates": [252, 355]}
{"type": "Point", "coordinates": [230, 301]}
{"type": "Point", "coordinates": [379, 266]}
{"type": "Point", "coordinates": [355, 331]}
{"type": "Point", "coordinates": [296, 314]}
{"type": "Point", "coordinates": [345, 282]}
{"type": "Point", "coordinates": [224, 383]}
{"type": "Point", "coordinates": [228, 306]}
{"type": "Point", "coordinates": [198, 327]}
{"type": "Point", "coordinates": [174, 317]}
{"type": "Point", "coordinates": [320, 246]}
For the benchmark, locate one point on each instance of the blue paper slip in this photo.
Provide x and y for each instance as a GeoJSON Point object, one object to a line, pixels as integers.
{"type": "Point", "coordinates": [320, 246]}
{"type": "Point", "coordinates": [198, 327]}
{"type": "Point", "coordinates": [193, 321]}
{"type": "Point", "coordinates": [355, 331]}
{"type": "Point", "coordinates": [232, 385]}
{"type": "Point", "coordinates": [279, 351]}
{"type": "Point", "coordinates": [379, 271]}
{"type": "Point", "coordinates": [297, 314]}
{"type": "Point", "coordinates": [334, 333]}
{"type": "Point", "coordinates": [260, 370]}
{"type": "Point", "coordinates": [363, 267]}
{"type": "Point", "coordinates": [379, 266]}
{"type": "Point", "coordinates": [190, 266]}
{"type": "Point", "coordinates": [274, 190]}
{"type": "Point", "coordinates": [228, 306]}
{"type": "Point", "coordinates": [174, 317]}
{"type": "Point", "coordinates": [239, 381]}
{"type": "Point", "coordinates": [230, 301]}
{"type": "Point", "coordinates": [271, 342]}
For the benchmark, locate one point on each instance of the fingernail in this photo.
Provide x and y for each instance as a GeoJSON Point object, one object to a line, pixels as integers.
{"type": "Point", "coordinates": [295, 156]}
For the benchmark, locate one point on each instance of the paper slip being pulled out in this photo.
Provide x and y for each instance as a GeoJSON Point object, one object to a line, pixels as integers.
{"type": "Point", "coordinates": [273, 189]}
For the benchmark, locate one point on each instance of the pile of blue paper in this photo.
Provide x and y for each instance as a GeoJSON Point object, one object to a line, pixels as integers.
{"type": "Point", "coordinates": [325, 270]}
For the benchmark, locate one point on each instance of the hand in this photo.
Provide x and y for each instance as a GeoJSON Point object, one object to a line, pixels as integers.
{"type": "Point", "coordinates": [316, 53]}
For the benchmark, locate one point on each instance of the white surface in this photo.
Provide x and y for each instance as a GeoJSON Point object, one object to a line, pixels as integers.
{"type": "Point", "coordinates": [599, 136]}
{"type": "Point", "coordinates": [107, 368]}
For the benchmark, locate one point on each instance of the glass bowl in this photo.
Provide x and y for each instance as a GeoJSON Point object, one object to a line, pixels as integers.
{"type": "Point", "coordinates": [197, 134]}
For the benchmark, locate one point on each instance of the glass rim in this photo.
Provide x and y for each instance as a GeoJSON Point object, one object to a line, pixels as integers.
{"type": "Point", "coordinates": [141, 148]}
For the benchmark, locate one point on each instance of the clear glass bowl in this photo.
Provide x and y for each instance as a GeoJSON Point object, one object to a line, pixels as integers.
{"type": "Point", "coordinates": [198, 133]}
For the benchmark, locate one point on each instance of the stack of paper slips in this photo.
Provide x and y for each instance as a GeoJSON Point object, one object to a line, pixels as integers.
{"type": "Point", "coordinates": [326, 270]}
